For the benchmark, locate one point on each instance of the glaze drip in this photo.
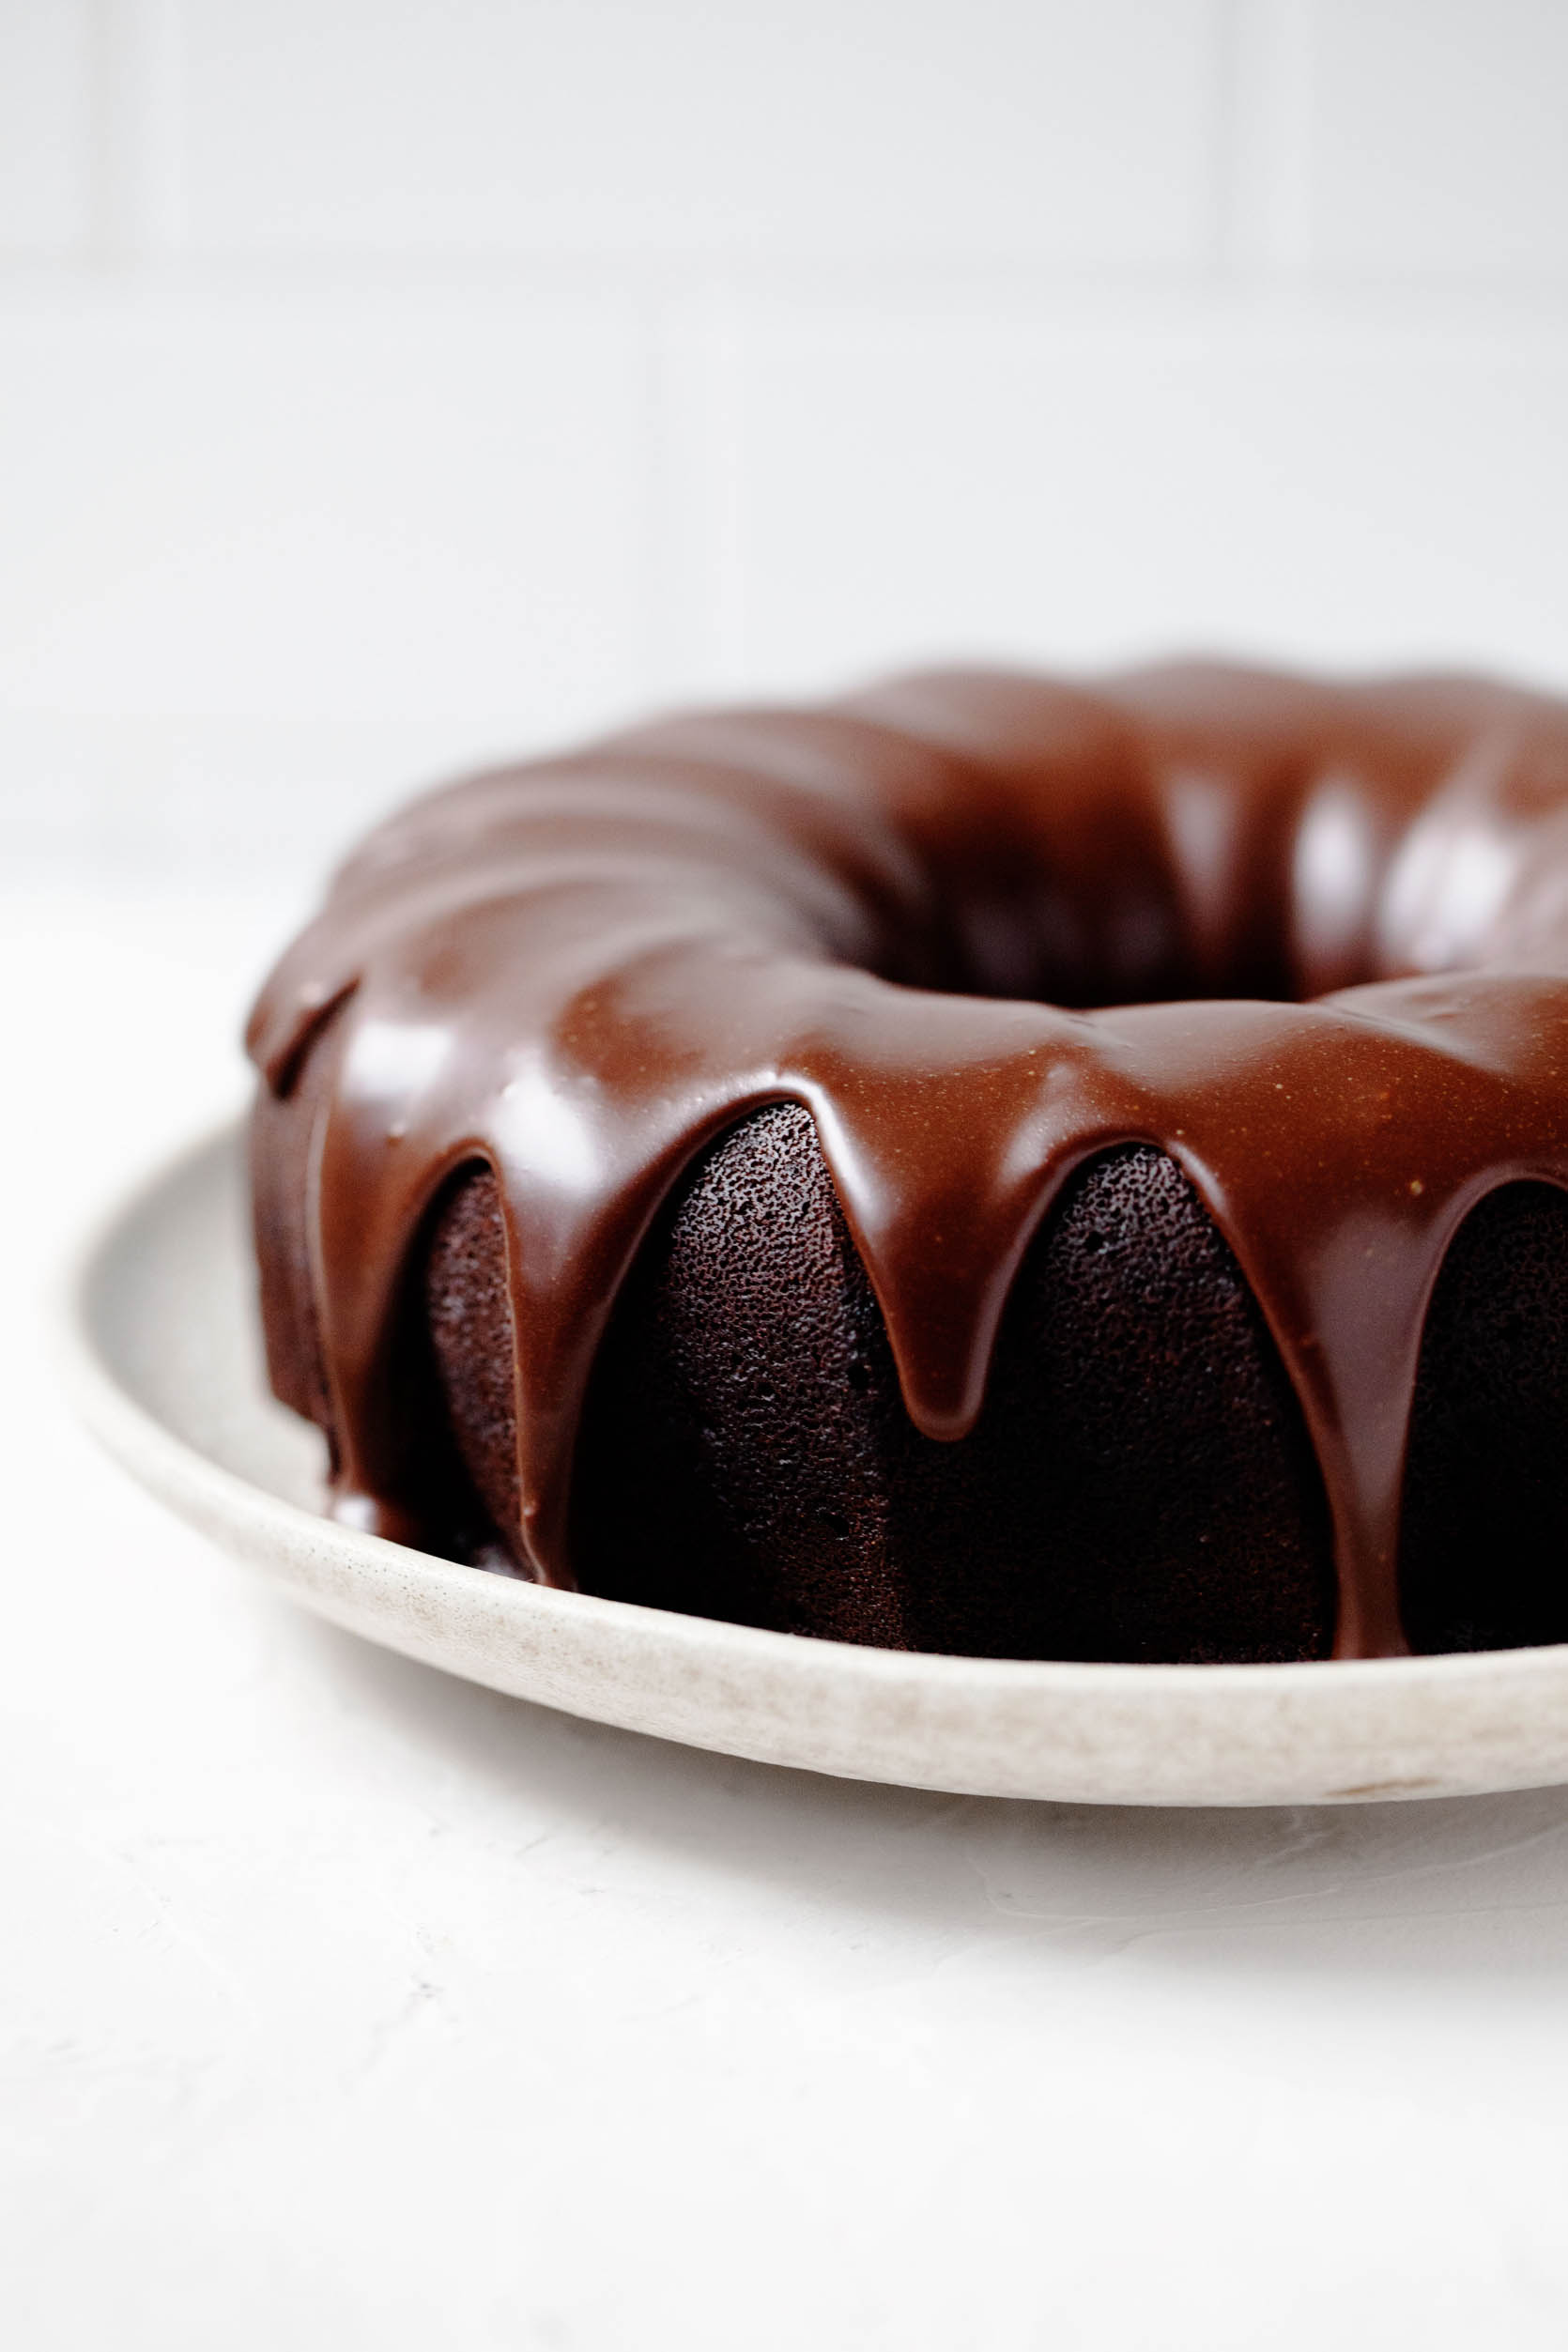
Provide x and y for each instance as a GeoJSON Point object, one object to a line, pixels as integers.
{"type": "Point", "coordinates": [1312, 941]}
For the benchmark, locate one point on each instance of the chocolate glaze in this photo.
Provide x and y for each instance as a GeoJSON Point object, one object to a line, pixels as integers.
{"type": "Point", "coordinates": [1310, 941]}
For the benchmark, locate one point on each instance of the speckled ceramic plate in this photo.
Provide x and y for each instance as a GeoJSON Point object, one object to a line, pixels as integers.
{"type": "Point", "coordinates": [163, 1354]}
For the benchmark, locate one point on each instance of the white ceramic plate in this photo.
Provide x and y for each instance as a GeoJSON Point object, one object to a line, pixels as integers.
{"type": "Point", "coordinates": [163, 1354]}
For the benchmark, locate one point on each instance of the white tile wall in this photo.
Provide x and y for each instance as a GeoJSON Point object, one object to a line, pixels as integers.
{"type": "Point", "coordinates": [322, 504]}
{"type": "Point", "coordinates": [1441, 135]}
{"type": "Point", "coordinates": [381, 380]}
{"type": "Point", "coordinates": [914, 128]}
{"type": "Point", "coordinates": [1340, 491]}
{"type": "Point", "coordinates": [48, 89]}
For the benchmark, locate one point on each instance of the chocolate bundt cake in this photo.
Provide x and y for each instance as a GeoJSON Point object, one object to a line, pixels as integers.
{"type": "Point", "coordinates": [985, 1165]}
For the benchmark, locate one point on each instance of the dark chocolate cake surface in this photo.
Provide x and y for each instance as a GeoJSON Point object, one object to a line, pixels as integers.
{"type": "Point", "coordinates": [988, 1166]}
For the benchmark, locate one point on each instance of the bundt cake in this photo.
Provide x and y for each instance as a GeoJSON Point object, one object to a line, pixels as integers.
{"type": "Point", "coordinates": [986, 1165]}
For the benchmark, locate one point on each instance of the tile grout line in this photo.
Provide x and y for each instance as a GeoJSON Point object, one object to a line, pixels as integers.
{"type": "Point", "coordinates": [1225, 135]}
{"type": "Point", "coordinates": [700, 384]}
{"type": "Point", "coordinates": [1264, 165]}
{"type": "Point", "coordinates": [1236, 283]}
{"type": "Point", "coordinates": [138, 208]}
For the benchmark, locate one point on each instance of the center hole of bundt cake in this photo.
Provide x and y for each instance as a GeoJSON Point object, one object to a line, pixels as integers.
{"type": "Point", "coordinates": [1132, 945]}
{"type": "Point", "coordinates": [1217, 900]}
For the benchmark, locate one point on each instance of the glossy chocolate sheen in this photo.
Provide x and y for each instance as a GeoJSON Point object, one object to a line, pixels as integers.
{"type": "Point", "coordinates": [1139, 1484]}
{"type": "Point", "coordinates": [1311, 941]}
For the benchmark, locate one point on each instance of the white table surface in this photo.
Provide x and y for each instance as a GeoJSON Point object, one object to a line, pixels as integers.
{"type": "Point", "coordinates": [348, 2005]}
